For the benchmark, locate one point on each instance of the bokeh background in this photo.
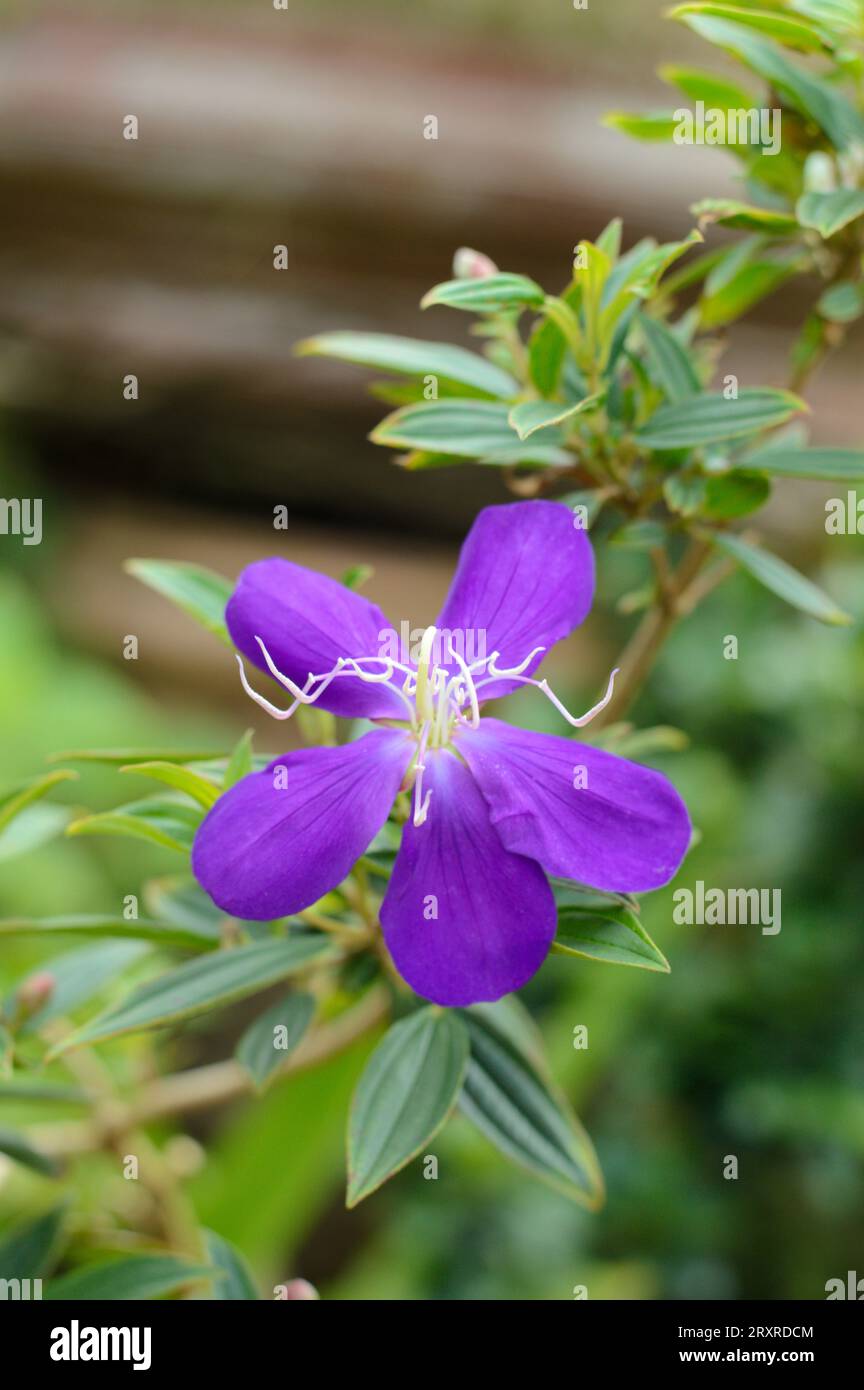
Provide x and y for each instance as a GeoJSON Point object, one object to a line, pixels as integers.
{"type": "Point", "coordinates": [305, 128]}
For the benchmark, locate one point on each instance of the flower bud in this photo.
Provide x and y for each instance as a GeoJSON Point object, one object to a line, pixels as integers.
{"type": "Point", "coordinates": [34, 994]}
{"type": "Point", "coordinates": [301, 1289]}
{"type": "Point", "coordinates": [472, 265]}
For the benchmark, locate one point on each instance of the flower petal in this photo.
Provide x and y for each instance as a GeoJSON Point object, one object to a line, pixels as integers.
{"type": "Point", "coordinates": [274, 844]}
{"type": "Point", "coordinates": [463, 918]}
{"type": "Point", "coordinates": [307, 621]}
{"type": "Point", "coordinates": [525, 579]}
{"type": "Point", "coordinates": [624, 829]}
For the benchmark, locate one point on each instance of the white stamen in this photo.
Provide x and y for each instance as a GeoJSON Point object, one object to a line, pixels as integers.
{"type": "Point", "coordinates": [472, 689]}
{"type": "Point", "coordinates": [495, 670]}
{"type": "Point", "coordinates": [422, 694]}
{"type": "Point", "coordinates": [421, 804]}
{"type": "Point", "coordinates": [550, 695]}
{"type": "Point", "coordinates": [345, 666]}
{"type": "Point", "coordinates": [434, 698]}
{"type": "Point", "coordinates": [260, 700]}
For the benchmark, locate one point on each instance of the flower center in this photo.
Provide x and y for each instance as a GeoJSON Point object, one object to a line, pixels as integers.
{"type": "Point", "coordinates": [437, 699]}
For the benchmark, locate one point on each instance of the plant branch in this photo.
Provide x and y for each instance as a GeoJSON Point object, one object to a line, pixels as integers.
{"type": "Point", "coordinates": [674, 600]}
{"type": "Point", "coordinates": [219, 1082]}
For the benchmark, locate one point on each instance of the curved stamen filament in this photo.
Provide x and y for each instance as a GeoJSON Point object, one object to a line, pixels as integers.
{"type": "Point", "coordinates": [455, 685]}
{"type": "Point", "coordinates": [433, 695]}
{"type": "Point", "coordinates": [493, 669]}
{"type": "Point", "coordinates": [260, 699]}
{"type": "Point", "coordinates": [304, 696]}
{"type": "Point", "coordinates": [316, 685]}
{"type": "Point", "coordinates": [550, 695]}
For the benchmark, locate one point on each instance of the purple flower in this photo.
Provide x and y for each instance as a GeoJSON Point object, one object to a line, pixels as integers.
{"type": "Point", "coordinates": [469, 914]}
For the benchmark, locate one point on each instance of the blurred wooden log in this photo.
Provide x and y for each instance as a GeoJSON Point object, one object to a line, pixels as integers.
{"type": "Point", "coordinates": [155, 256]}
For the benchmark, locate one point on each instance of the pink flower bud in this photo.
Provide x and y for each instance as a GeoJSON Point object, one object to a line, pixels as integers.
{"type": "Point", "coordinates": [35, 993]}
{"type": "Point", "coordinates": [301, 1289]}
{"type": "Point", "coordinates": [472, 265]}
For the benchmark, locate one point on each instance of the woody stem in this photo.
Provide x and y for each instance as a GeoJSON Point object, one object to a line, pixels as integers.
{"type": "Point", "coordinates": [676, 596]}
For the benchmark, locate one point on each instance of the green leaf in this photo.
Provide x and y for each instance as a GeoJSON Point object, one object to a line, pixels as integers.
{"type": "Point", "coordinates": [356, 576]}
{"type": "Point", "coordinates": [273, 1036]}
{"type": "Point", "coordinates": [396, 393]}
{"type": "Point", "coordinates": [843, 16]}
{"type": "Point", "coordinates": [793, 33]}
{"type": "Point", "coordinates": [651, 126]}
{"type": "Point", "coordinates": [510, 1098]}
{"type": "Point", "coordinates": [746, 287]}
{"type": "Point", "coordinates": [14, 800]}
{"type": "Point", "coordinates": [639, 743]}
{"type": "Point", "coordinates": [414, 358]}
{"type": "Point", "coordinates": [609, 240]}
{"type": "Point", "coordinates": [615, 936]}
{"type": "Point", "coordinates": [736, 493]}
{"type": "Point", "coordinates": [698, 85]}
{"type": "Point", "coordinates": [199, 592]}
{"type": "Point", "coordinates": [408, 1089]}
{"type": "Point", "coordinates": [636, 276]}
{"type": "Point", "coordinates": [591, 499]}
{"type": "Point", "coordinates": [828, 213]}
{"type": "Point", "coordinates": [181, 902]}
{"type": "Point", "coordinates": [114, 756]}
{"type": "Point", "coordinates": [694, 272]}
{"type": "Point", "coordinates": [232, 1280]}
{"type": "Point", "coordinates": [240, 761]}
{"type": "Point", "coordinates": [80, 975]}
{"type": "Point", "coordinates": [592, 277]}
{"type": "Point", "coordinates": [558, 329]}
{"type": "Point", "coordinates": [531, 416]}
{"type": "Point", "coordinates": [43, 1093]}
{"type": "Point", "coordinates": [809, 95]}
{"type": "Point", "coordinates": [16, 1147]}
{"type": "Point", "coordinates": [783, 580]}
{"type": "Point", "coordinates": [473, 429]}
{"type": "Point", "coordinates": [639, 535]}
{"type": "Point", "coordinates": [567, 891]}
{"type": "Point", "coordinates": [486, 296]}
{"type": "Point", "coordinates": [32, 827]}
{"type": "Point", "coordinates": [668, 363]}
{"type": "Point", "coordinates": [684, 493]}
{"type": "Point", "coordinates": [732, 261]}
{"type": "Point", "coordinates": [205, 983]}
{"type": "Point", "coordinates": [111, 925]}
{"type": "Point", "coordinates": [546, 349]}
{"type": "Point", "coordinates": [26, 1252]}
{"type": "Point", "coordinates": [166, 821]}
{"type": "Point", "coordinates": [730, 213]}
{"type": "Point", "coordinates": [828, 465]}
{"type": "Point", "coordinates": [641, 269]}
{"type": "Point", "coordinates": [710, 417]}
{"type": "Point", "coordinates": [842, 303]}
{"type": "Point", "coordinates": [183, 779]}
{"type": "Point", "coordinates": [131, 1277]}
{"type": "Point", "coordinates": [809, 345]}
